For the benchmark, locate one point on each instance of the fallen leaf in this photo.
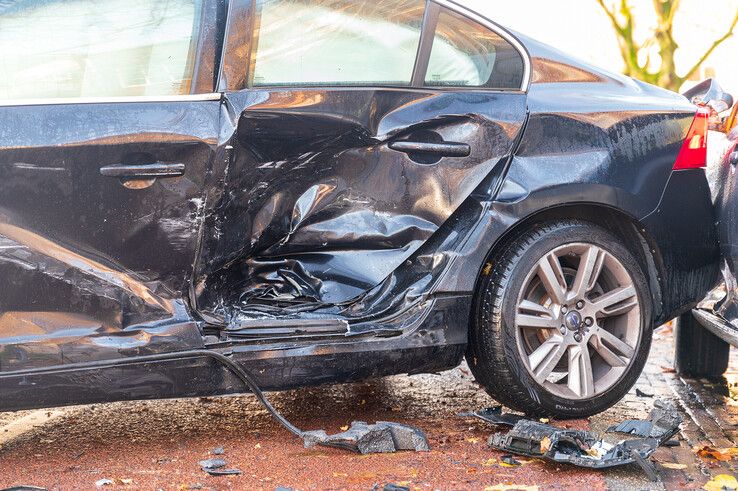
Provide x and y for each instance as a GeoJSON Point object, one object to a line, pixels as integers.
{"type": "Point", "coordinates": [472, 440]}
{"type": "Point", "coordinates": [257, 446]}
{"type": "Point", "coordinates": [667, 370]}
{"type": "Point", "coordinates": [671, 465]}
{"type": "Point", "coordinates": [544, 420]}
{"type": "Point", "coordinates": [511, 487]}
{"type": "Point", "coordinates": [344, 428]}
{"type": "Point", "coordinates": [721, 454]}
{"type": "Point", "coordinates": [545, 444]}
{"type": "Point", "coordinates": [339, 474]}
{"type": "Point", "coordinates": [489, 462]}
{"type": "Point", "coordinates": [721, 483]}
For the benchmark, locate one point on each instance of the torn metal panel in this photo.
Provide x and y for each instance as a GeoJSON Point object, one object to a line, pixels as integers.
{"type": "Point", "coordinates": [382, 437]}
{"type": "Point", "coordinates": [316, 210]}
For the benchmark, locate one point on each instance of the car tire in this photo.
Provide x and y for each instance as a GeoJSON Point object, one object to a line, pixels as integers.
{"type": "Point", "coordinates": [698, 352]}
{"type": "Point", "coordinates": [498, 348]}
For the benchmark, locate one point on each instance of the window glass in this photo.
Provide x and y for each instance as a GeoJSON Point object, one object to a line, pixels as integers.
{"type": "Point", "coordinates": [336, 42]}
{"type": "Point", "coordinates": [467, 54]}
{"type": "Point", "coordinates": [103, 48]}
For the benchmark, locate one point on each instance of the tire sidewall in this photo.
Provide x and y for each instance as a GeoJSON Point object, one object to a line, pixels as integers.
{"type": "Point", "coordinates": [574, 233]}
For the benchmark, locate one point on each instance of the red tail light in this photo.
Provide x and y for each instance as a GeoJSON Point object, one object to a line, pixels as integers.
{"type": "Point", "coordinates": [694, 150]}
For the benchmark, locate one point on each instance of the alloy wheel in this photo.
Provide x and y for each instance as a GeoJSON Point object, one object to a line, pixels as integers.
{"type": "Point", "coordinates": [578, 321]}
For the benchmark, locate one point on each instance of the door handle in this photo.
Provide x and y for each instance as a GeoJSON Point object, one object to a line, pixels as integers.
{"type": "Point", "coordinates": [443, 149]}
{"type": "Point", "coordinates": [144, 171]}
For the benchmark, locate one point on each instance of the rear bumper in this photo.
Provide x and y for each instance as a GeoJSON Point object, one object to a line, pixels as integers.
{"type": "Point", "coordinates": [717, 325]}
{"type": "Point", "coordinates": [686, 252]}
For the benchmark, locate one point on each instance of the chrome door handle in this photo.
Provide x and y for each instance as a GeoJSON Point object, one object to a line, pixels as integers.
{"type": "Point", "coordinates": [443, 149]}
{"type": "Point", "coordinates": [144, 171]}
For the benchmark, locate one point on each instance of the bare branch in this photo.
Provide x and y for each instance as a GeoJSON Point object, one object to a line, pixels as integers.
{"type": "Point", "coordinates": [612, 16]}
{"type": "Point", "coordinates": [712, 48]}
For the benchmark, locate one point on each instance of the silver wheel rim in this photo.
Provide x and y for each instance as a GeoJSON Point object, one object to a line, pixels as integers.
{"type": "Point", "coordinates": [578, 321]}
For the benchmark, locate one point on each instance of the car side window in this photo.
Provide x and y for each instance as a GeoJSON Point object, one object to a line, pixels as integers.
{"type": "Point", "coordinates": [78, 48]}
{"type": "Point", "coordinates": [336, 42]}
{"type": "Point", "coordinates": [467, 54]}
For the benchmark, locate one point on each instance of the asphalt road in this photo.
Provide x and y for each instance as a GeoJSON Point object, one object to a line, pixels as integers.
{"type": "Point", "coordinates": [157, 445]}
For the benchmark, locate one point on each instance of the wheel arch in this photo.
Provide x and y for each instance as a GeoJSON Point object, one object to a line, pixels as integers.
{"type": "Point", "coordinates": [627, 228]}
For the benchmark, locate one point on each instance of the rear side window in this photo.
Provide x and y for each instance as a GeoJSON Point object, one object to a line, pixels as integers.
{"type": "Point", "coordinates": [336, 42]}
{"type": "Point", "coordinates": [103, 48]}
{"type": "Point", "coordinates": [467, 54]}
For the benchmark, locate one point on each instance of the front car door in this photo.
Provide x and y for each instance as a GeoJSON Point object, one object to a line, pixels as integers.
{"type": "Point", "coordinates": [357, 129]}
{"type": "Point", "coordinates": [108, 130]}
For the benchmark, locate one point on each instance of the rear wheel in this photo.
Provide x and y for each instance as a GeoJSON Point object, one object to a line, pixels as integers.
{"type": "Point", "coordinates": [562, 324]}
{"type": "Point", "coordinates": [698, 352]}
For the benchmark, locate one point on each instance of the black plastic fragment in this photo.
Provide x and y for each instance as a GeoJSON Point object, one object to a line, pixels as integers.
{"type": "Point", "coordinates": [585, 449]}
{"type": "Point", "coordinates": [363, 438]}
{"type": "Point", "coordinates": [510, 460]}
{"type": "Point", "coordinates": [494, 415]}
{"type": "Point", "coordinates": [395, 487]}
{"type": "Point", "coordinates": [224, 472]}
{"type": "Point", "coordinates": [662, 424]}
{"type": "Point", "coordinates": [640, 393]}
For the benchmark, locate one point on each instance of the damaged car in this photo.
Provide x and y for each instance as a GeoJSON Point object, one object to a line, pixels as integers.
{"type": "Point", "coordinates": [322, 191]}
{"type": "Point", "coordinates": [704, 337]}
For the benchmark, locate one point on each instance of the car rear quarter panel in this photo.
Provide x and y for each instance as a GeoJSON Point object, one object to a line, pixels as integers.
{"type": "Point", "coordinates": [605, 141]}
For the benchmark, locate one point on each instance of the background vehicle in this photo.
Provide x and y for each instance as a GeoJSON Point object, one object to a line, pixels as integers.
{"type": "Point", "coordinates": [704, 337]}
{"type": "Point", "coordinates": [326, 191]}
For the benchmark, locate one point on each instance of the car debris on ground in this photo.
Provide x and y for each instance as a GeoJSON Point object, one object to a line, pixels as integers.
{"type": "Point", "coordinates": [363, 438]}
{"type": "Point", "coordinates": [216, 467]}
{"type": "Point", "coordinates": [583, 448]}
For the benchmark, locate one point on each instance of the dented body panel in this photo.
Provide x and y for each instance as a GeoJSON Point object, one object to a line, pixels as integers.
{"type": "Point", "coordinates": [298, 241]}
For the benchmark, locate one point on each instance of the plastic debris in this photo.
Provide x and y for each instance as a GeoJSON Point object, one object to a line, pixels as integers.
{"type": "Point", "coordinates": [211, 464]}
{"type": "Point", "coordinates": [661, 421]}
{"type": "Point", "coordinates": [363, 438]}
{"type": "Point", "coordinates": [103, 482]}
{"type": "Point", "coordinates": [583, 448]}
{"type": "Point", "coordinates": [395, 487]}
{"type": "Point", "coordinates": [224, 472]}
{"type": "Point", "coordinates": [509, 460]}
{"type": "Point", "coordinates": [495, 416]}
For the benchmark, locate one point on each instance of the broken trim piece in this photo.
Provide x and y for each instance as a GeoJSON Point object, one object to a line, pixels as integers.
{"type": "Point", "coordinates": [583, 448]}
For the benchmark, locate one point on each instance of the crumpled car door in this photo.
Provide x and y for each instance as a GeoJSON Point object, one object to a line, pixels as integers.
{"type": "Point", "coordinates": [332, 186]}
{"type": "Point", "coordinates": [102, 179]}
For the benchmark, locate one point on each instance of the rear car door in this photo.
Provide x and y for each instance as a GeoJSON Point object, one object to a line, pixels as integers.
{"type": "Point", "coordinates": [357, 129]}
{"type": "Point", "coordinates": [108, 128]}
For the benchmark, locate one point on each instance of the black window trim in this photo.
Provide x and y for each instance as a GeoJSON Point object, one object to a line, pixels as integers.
{"type": "Point", "coordinates": [482, 21]}
{"type": "Point", "coordinates": [242, 13]}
